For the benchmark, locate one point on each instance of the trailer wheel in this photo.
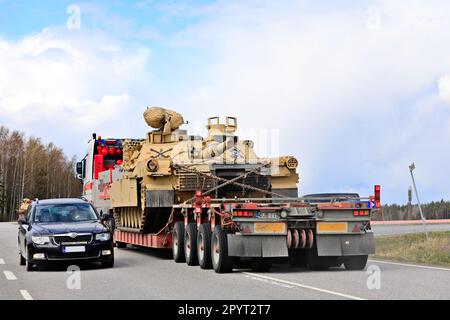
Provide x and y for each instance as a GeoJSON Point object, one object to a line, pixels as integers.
{"type": "Point", "coordinates": [204, 246]}
{"type": "Point", "coordinates": [190, 244]}
{"type": "Point", "coordinates": [178, 242]}
{"type": "Point", "coordinates": [222, 263]}
{"type": "Point", "coordinates": [261, 265]}
{"type": "Point", "coordinates": [356, 262]}
{"type": "Point", "coordinates": [318, 263]}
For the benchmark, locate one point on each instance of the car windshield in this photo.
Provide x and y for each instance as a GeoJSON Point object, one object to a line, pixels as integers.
{"type": "Point", "coordinates": [75, 212]}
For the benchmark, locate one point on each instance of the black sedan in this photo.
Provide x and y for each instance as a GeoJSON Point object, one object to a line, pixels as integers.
{"type": "Point", "coordinates": [64, 230]}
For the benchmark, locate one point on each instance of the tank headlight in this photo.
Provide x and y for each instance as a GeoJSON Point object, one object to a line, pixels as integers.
{"type": "Point", "coordinates": [103, 236]}
{"type": "Point", "coordinates": [152, 165]}
{"type": "Point", "coordinates": [284, 214]}
{"type": "Point", "coordinates": [40, 239]}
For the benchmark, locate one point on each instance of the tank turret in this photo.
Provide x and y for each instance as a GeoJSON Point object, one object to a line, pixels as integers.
{"type": "Point", "coordinates": [169, 166]}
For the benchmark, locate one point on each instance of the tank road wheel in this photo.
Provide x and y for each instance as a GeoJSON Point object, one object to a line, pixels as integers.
{"type": "Point", "coordinates": [204, 246]}
{"type": "Point", "coordinates": [261, 265]}
{"type": "Point", "coordinates": [222, 263]}
{"type": "Point", "coordinates": [355, 262]}
{"type": "Point", "coordinates": [190, 244]}
{"type": "Point", "coordinates": [178, 242]}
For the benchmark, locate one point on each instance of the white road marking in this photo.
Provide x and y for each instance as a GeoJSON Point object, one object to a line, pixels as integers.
{"type": "Point", "coordinates": [270, 281]}
{"type": "Point", "coordinates": [9, 275]}
{"type": "Point", "coordinates": [2, 261]}
{"type": "Point", "coordinates": [306, 286]}
{"type": "Point", "coordinates": [26, 295]}
{"type": "Point", "coordinates": [410, 265]}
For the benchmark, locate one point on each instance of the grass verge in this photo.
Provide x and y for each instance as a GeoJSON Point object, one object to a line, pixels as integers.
{"type": "Point", "coordinates": [414, 248]}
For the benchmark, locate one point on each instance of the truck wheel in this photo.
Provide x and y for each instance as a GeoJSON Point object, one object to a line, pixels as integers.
{"type": "Point", "coordinates": [204, 246]}
{"type": "Point", "coordinates": [121, 245]}
{"type": "Point", "coordinates": [190, 244]}
{"type": "Point", "coordinates": [178, 242]}
{"type": "Point", "coordinates": [298, 258]}
{"type": "Point", "coordinates": [261, 265]}
{"type": "Point", "coordinates": [22, 260]}
{"type": "Point", "coordinates": [356, 262]}
{"type": "Point", "coordinates": [318, 263]}
{"type": "Point", "coordinates": [222, 263]}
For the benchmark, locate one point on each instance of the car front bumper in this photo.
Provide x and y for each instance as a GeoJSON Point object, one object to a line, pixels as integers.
{"type": "Point", "coordinates": [93, 252]}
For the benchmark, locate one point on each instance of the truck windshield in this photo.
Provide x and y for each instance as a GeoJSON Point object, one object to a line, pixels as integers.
{"type": "Point", "coordinates": [64, 213]}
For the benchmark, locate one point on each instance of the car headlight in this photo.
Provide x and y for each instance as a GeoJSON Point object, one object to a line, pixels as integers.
{"type": "Point", "coordinates": [103, 236]}
{"type": "Point", "coordinates": [40, 239]}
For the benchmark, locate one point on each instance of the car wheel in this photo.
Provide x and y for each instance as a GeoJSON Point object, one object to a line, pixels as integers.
{"type": "Point", "coordinates": [121, 245]}
{"type": "Point", "coordinates": [22, 260]}
{"type": "Point", "coordinates": [30, 266]}
{"type": "Point", "coordinates": [108, 264]}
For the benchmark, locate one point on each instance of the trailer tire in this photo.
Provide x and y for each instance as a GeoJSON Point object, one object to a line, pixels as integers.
{"type": "Point", "coordinates": [261, 265]}
{"type": "Point", "coordinates": [315, 262]}
{"type": "Point", "coordinates": [178, 242]}
{"type": "Point", "coordinates": [222, 263]}
{"type": "Point", "coordinates": [356, 262]}
{"type": "Point", "coordinates": [204, 246]}
{"type": "Point", "coordinates": [190, 244]}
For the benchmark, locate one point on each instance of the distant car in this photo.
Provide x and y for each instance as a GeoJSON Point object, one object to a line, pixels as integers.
{"type": "Point", "coordinates": [64, 230]}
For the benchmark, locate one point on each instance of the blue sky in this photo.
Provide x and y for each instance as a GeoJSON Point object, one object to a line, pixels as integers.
{"type": "Point", "coordinates": [355, 91]}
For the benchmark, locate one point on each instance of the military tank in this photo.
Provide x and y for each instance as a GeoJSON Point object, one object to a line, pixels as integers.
{"type": "Point", "coordinates": [169, 167]}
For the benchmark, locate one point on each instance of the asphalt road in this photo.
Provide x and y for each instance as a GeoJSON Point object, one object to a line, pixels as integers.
{"type": "Point", "coordinates": [149, 274]}
{"type": "Point", "coordinates": [384, 230]}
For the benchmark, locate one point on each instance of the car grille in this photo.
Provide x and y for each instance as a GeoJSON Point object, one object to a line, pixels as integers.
{"type": "Point", "coordinates": [67, 240]}
{"type": "Point", "coordinates": [73, 255]}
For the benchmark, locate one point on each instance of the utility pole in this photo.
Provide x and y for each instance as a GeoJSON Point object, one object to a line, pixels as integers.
{"type": "Point", "coordinates": [424, 223]}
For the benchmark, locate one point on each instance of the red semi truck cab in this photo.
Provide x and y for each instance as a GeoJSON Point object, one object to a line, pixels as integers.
{"type": "Point", "coordinates": [101, 166]}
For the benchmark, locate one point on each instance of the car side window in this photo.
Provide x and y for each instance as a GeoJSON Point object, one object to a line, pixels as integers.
{"type": "Point", "coordinates": [28, 216]}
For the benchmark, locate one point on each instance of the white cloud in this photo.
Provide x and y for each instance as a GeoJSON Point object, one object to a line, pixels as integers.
{"type": "Point", "coordinates": [444, 88]}
{"type": "Point", "coordinates": [73, 83]}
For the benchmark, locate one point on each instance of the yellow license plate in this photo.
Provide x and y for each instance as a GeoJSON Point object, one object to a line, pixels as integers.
{"type": "Point", "coordinates": [270, 227]}
{"type": "Point", "coordinates": [324, 227]}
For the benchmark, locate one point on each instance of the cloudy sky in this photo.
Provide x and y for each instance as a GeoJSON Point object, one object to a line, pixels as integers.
{"type": "Point", "coordinates": [355, 91]}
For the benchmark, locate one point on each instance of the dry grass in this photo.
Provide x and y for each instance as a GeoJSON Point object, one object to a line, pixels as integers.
{"type": "Point", "coordinates": [414, 248]}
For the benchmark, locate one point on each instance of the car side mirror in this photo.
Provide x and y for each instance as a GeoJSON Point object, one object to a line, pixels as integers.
{"type": "Point", "coordinates": [106, 217]}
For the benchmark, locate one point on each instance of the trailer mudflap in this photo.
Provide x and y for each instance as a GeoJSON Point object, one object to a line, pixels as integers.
{"type": "Point", "coordinates": [345, 244]}
{"type": "Point", "coordinates": [257, 246]}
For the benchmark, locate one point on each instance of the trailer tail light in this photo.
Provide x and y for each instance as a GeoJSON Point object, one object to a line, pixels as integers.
{"type": "Point", "coordinates": [112, 151]}
{"type": "Point", "coordinates": [361, 213]}
{"type": "Point", "coordinates": [240, 213]}
{"type": "Point", "coordinates": [377, 196]}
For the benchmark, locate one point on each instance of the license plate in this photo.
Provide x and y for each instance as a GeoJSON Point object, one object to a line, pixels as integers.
{"type": "Point", "coordinates": [74, 249]}
{"type": "Point", "coordinates": [275, 227]}
{"type": "Point", "coordinates": [332, 227]}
